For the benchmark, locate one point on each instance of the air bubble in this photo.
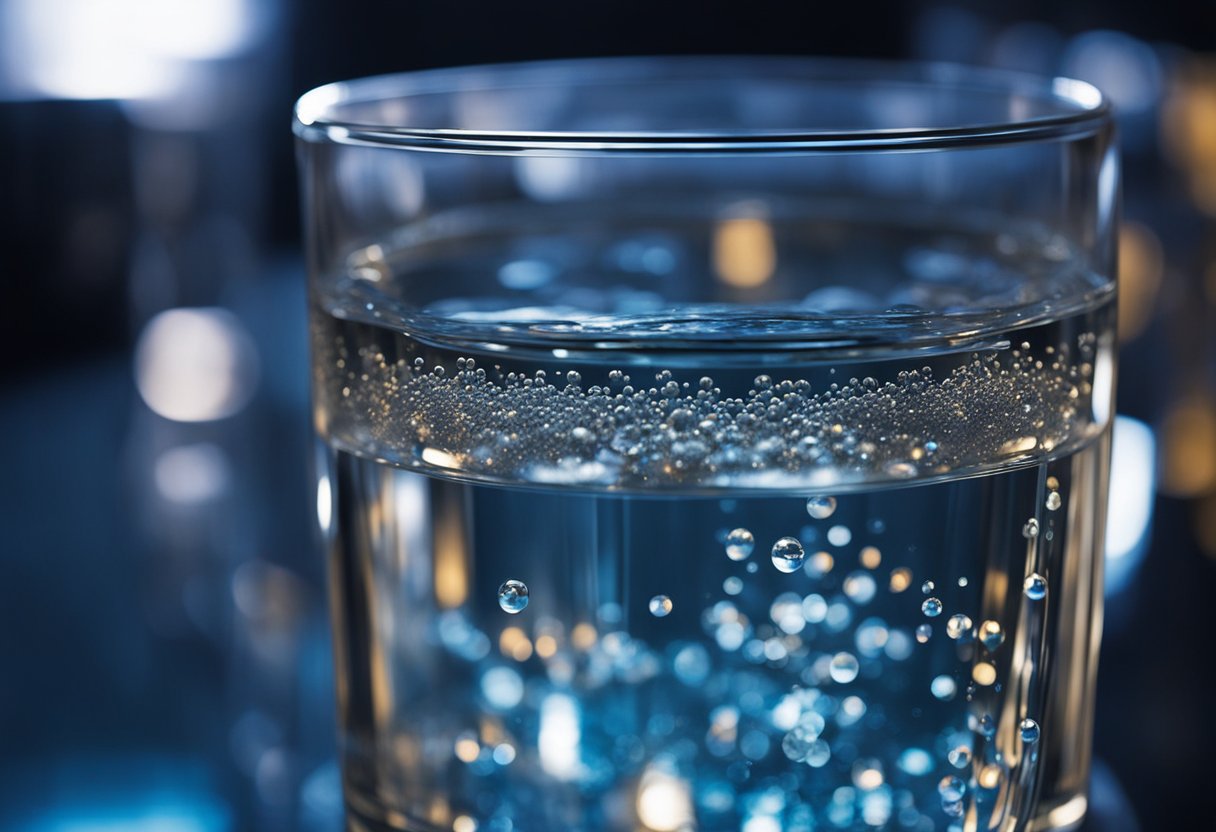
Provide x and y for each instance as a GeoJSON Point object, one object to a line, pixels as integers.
{"type": "Point", "coordinates": [951, 788]}
{"type": "Point", "coordinates": [932, 607]}
{"type": "Point", "coordinates": [1035, 587]}
{"type": "Point", "coordinates": [788, 555]}
{"type": "Point", "coordinates": [924, 632]}
{"type": "Point", "coordinates": [739, 544]}
{"type": "Point", "coordinates": [986, 727]}
{"type": "Point", "coordinates": [1031, 529]}
{"type": "Point", "coordinates": [991, 635]}
{"type": "Point", "coordinates": [660, 606]}
{"type": "Point", "coordinates": [513, 596]}
{"type": "Point", "coordinates": [732, 585]}
{"type": "Point", "coordinates": [844, 668]}
{"type": "Point", "coordinates": [958, 627]}
{"type": "Point", "coordinates": [1053, 501]}
{"type": "Point", "coordinates": [1029, 731]}
{"type": "Point", "coordinates": [821, 508]}
{"type": "Point", "coordinates": [959, 757]}
{"type": "Point", "coordinates": [927, 587]}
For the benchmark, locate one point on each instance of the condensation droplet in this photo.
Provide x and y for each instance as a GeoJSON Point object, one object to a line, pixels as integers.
{"type": "Point", "coordinates": [513, 596]}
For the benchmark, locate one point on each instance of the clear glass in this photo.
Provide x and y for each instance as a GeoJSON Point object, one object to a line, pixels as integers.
{"type": "Point", "coordinates": [712, 444]}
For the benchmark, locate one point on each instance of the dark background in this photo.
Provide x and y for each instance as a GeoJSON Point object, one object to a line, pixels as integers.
{"type": "Point", "coordinates": [164, 655]}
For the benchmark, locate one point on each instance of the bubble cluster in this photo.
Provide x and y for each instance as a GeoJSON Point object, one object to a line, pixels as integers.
{"type": "Point", "coordinates": [513, 596]}
{"type": "Point", "coordinates": [511, 424]}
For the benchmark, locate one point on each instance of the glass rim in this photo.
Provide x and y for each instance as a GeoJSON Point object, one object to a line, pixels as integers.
{"type": "Point", "coordinates": [1080, 108]}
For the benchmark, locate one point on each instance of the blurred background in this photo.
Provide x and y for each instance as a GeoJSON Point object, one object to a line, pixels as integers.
{"type": "Point", "coordinates": [164, 652]}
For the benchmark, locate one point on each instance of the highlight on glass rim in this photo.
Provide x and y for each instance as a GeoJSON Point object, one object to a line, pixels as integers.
{"type": "Point", "coordinates": [712, 443]}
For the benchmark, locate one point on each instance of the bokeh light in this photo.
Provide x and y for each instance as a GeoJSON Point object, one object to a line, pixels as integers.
{"type": "Point", "coordinates": [195, 365]}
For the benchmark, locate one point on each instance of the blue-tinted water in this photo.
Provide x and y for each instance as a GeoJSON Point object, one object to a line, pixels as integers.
{"type": "Point", "coordinates": [579, 586]}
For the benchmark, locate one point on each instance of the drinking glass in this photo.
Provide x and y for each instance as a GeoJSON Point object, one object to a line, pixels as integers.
{"type": "Point", "coordinates": [712, 443]}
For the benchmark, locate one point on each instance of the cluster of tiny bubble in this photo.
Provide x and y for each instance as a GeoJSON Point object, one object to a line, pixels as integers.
{"type": "Point", "coordinates": [488, 421]}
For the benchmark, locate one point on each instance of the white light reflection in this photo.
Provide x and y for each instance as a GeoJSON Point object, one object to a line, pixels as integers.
{"type": "Point", "coordinates": [325, 503]}
{"type": "Point", "coordinates": [119, 48]}
{"type": "Point", "coordinates": [1125, 68]}
{"type": "Point", "coordinates": [1130, 506]}
{"type": "Point", "coordinates": [664, 801]}
{"type": "Point", "coordinates": [559, 738]}
{"type": "Point", "coordinates": [195, 365]}
{"type": "Point", "coordinates": [192, 474]}
{"type": "Point", "coordinates": [551, 178]}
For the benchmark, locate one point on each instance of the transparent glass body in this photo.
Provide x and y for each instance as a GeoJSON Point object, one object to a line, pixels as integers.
{"type": "Point", "coordinates": [712, 443]}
